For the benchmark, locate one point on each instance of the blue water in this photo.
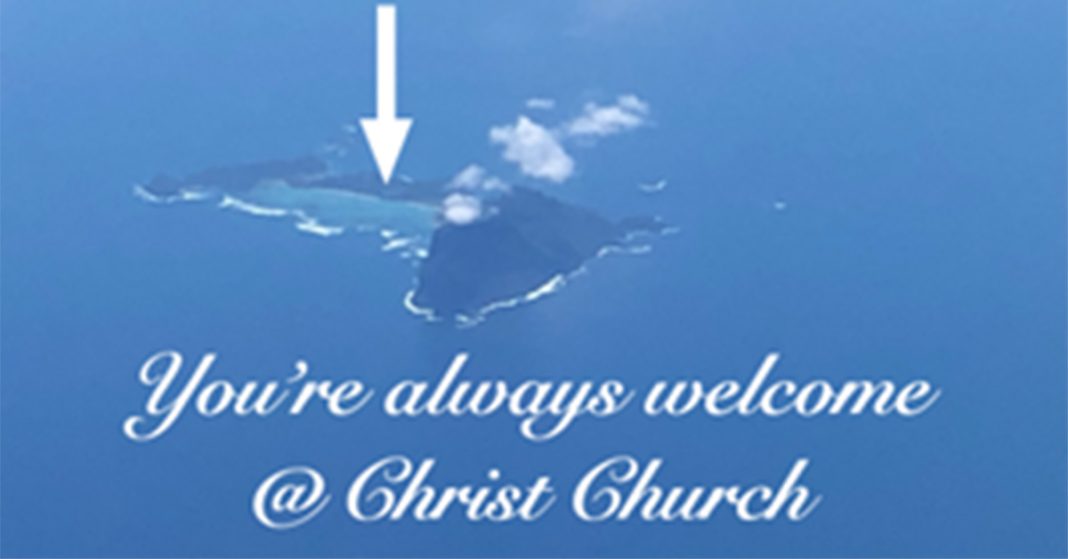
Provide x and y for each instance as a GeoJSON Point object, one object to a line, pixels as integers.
{"type": "Point", "coordinates": [919, 147]}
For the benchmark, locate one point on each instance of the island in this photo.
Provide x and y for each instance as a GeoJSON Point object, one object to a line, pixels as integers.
{"type": "Point", "coordinates": [523, 245]}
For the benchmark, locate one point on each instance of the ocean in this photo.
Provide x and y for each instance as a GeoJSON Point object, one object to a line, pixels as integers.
{"type": "Point", "coordinates": [870, 189]}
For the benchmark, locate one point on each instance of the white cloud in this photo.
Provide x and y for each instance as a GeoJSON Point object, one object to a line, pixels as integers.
{"type": "Point", "coordinates": [539, 151]}
{"type": "Point", "coordinates": [541, 103]}
{"type": "Point", "coordinates": [632, 102]}
{"type": "Point", "coordinates": [494, 183]}
{"type": "Point", "coordinates": [651, 187]}
{"type": "Point", "coordinates": [474, 177]}
{"type": "Point", "coordinates": [535, 149]}
{"type": "Point", "coordinates": [470, 177]}
{"type": "Point", "coordinates": [627, 113]}
{"type": "Point", "coordinates": [461, 209]}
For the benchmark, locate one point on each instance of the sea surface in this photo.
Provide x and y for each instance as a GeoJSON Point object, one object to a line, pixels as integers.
{"type": "Point", "coordinates": [873, 189]}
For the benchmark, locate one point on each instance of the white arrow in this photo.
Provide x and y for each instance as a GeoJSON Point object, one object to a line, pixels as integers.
{"type": "Point", "coordinates": [385, 132]}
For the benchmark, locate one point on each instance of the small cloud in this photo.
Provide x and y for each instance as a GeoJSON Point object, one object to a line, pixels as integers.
{"type": "Point", "coordinates": [461, 209]}
{"type": "Point", "coordinates": [779, 205]}
{"type": "Point", "coordinates": [494, 183]}
{"type": "Point", "coordinates": [474, 177]}
{"type": "Point", "coordinates": [633, 103]}
{"type": "Point", "coordinates": [652, 187]}
{"type": "Point", "coordinates": [539, 151]}
{"type": "Point", "coordinates": [627, 113]}
{"type": "Point", "coordinates": [535, 149]}
{"type": "Point", "coordinates": [470, 177]}
{"type": "Point", "coordinates": [335, 149]}
{"type": "Point", "coordinates": [541, 103]}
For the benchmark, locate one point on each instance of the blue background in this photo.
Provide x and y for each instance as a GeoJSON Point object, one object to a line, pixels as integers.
{"type": "Point", "coordinates": [920, 147]}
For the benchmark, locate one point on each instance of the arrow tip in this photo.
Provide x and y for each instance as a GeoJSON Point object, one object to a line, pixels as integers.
{"type": "Point", "coordinates": [386, 138]}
